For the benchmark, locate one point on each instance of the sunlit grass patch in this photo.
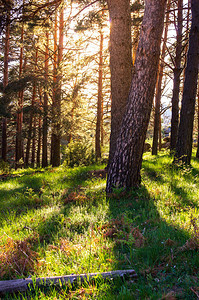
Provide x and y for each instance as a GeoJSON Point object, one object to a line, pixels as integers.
{"type": "Point", "coordinates": [77, 229]}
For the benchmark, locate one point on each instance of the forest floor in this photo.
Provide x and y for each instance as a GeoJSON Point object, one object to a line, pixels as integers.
{"type": "Point", "coordinates": [58, 221]}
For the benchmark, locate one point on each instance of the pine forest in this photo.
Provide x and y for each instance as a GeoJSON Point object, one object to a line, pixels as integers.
{"type": "Point", "coordinates": [99, 149]}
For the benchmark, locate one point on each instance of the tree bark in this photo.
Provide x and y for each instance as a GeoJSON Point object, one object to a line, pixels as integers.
{"type": "Point", "coordinates": [124, 171]}
{"type": "Point", "coordinates": [157, 117]}
{"type": "Point", "coordinates": [197, 153]}
{"type": "Point", "coordinates": [120, 64]}
{"type": "Point", "coordinates": [19, 143]}
{"type": "Point", "coordinates": [54, 86]}
{"type": "Point", "coordinates": [31, 125]}
{"type": "Point", "coordinates": [5, 82]}
{"type": "Point", "coordinates": [185, 134]}
{"type": "Point", "coordinates": [176, 80]}
{"type": "Point", "coordinates": [99, 101]}
{"type": "Point", "coordinates": [45, 108]}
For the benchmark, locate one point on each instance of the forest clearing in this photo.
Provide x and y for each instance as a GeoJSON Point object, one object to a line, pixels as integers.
{"type": "Point", "coordinates": [58, 221]}
{"type": "Point", "coordinates": [99, 149]}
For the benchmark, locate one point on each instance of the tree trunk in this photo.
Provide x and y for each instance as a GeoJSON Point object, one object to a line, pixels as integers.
{"type": "Point", "coordinates": [19, 142]}
{"type": "Point", "coordinates": [176, 80]}
{"type": "Point", "coordinates": [57, 99]}
{"type": "Point", "coordinates": [124, 171]}
{"type": "Point", "coordinates": [31, 116]}
{"type": "Point", "coordinates": [157, 117]}
{"type": "Point", "coordinates": [185, 135]}
{"type": "Point", "coordinates": [45, 109]}
{"type": "Point", "coordinates": [5, 82]}
{"type": "Point", "coordinates": [120, 64]}
{"type": "Point", "coordinates": [99, 101]}
{"type": "Point", "coordinates": [33, 142]}
{"type": "Point", "coordinates": [197, 153]}
{"type": "Point", "coordinates": [39, 137]}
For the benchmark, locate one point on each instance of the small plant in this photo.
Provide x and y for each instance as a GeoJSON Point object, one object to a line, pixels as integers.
{"type": "Point", "coordinates": [4, 167]}
{"type": "Point", "coordinates": [78, 154]}
{"type": "Point", "coordinates": [17, 258]}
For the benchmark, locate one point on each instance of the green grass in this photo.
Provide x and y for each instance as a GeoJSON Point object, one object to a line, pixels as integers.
{"type": "Point", "coordinates": [63, 222]}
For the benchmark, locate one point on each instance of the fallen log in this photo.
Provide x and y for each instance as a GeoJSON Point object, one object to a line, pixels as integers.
{"type": "Point", "coordinates": [22, 285]}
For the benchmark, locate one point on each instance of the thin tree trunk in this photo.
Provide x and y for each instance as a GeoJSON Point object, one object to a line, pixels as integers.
{"type": "Point", "coordinates": [31, 116]}
{"type": "Point", "coordinates": [185, 135]}
{"type": "Point", "coordinates": [176, 80]}
{"type": "Point", "coordinates": [57, 102]}
{"type": "Point", "coordinates": [19, 142]}
{"type": "Point", "coordinates": [157, 116]}
{"type": "Point", "coordinates": [54, 87]}
{"type": "Point", "coordinates": [45, 109]}
{"type": "Point", "coordinates": [39, 133]}
{"type": "Point", "coordinates": [5, 82]}
{"type": "Point", "coordinates": [124, 171]}
{"type": "Point", "coordinates": [33, 142]}
{"type": "Point", "coordinates": [197, 153]}
{"type": "Point", "coordinates": [120, 65]}
{"type": "Point", "coordinates": [99, 101]}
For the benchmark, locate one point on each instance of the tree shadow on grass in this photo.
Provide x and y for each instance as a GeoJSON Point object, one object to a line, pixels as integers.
{"type": "Point", "coordinates": [161, 267]}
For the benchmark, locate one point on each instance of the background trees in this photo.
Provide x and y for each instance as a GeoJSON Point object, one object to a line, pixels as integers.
{"type": "Point", "coordinates": [58, 78]}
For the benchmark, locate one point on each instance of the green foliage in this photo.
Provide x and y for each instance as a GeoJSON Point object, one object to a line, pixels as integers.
{"type": "Point", "coordinates": [78, 154]}
{"type": "Point", "coordinates": [4, 167]}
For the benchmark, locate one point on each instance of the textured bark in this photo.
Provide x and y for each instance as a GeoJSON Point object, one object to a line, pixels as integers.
{"type": "Point", "coordinates": [157, 117]}
{"type": "Point", "coordinates": [33, 143]}
{"type": "Point", "coordinates": [99, 101]}
{"type": "Point", "coordinates": [124, 171]}
{"type": "Point", "coordinates": [45, 109]}
{"type": "Point", "coordinates": [5, 82]}
{"type": "Point", "coordinates": [185, 134]}
{"type": "Point", "coordinates": [176, 80]}
{"type": "Point", "coordinates": [19, 142]}
{"type": "Point", "coordinates": [120, 64]}
{"type": "Point", "coordinates": [39, 139]}
{"type": "Point", "coordinates": [54, 86]}
{"type": "Point", "coordinates": [57, 97]}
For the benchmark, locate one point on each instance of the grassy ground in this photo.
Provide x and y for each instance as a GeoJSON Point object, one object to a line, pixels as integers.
{"type": "Point", "coordinates": [59, 221]}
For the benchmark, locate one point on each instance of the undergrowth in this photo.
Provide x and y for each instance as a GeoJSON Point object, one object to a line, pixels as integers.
{"type": "Point", "coordinates": [58, 221]}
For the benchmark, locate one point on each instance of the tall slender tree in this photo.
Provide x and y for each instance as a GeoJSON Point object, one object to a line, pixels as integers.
{"type": "Point", "coordinates": [45, 106]}
{"type": "Point", "coordinates": [57, 96]}
{"type": "Point", "coordinates": [157, 116]}
{"type": "Point", "coordinates": [185, 134]}
{"type": "Point", "coordinates": [99, 100]}
{"type": "Point", "coordinates": [176, 81]}
{"type": "Point", "coordinates": [5, 79]}
{"type": "Point", "coordinates": [124, 171]}
{"type": "Point", "coordinates": [19, 141]}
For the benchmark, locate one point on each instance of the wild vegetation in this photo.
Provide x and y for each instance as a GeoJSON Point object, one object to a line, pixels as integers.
{"type": "Point", "coordinates": [58, 221]}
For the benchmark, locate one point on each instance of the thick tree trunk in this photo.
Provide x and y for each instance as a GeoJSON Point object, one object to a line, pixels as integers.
{"type": "Point", "coordinates": [45, 109]}
{"type": "Point", "coordinates": [99, 101]}
{"type": "Point", "coordinates": [157, 117]}
{"type": "Point", "coordinates": [176, 80]}
{"type": "Point", "coordinates": [185, 134]}
{"type": "Point", "coordinates": [120, 64]}
{"type": "Point", "coordinates": [5, 82]}
{"type": "Point", "coordinates": [124, 171]}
